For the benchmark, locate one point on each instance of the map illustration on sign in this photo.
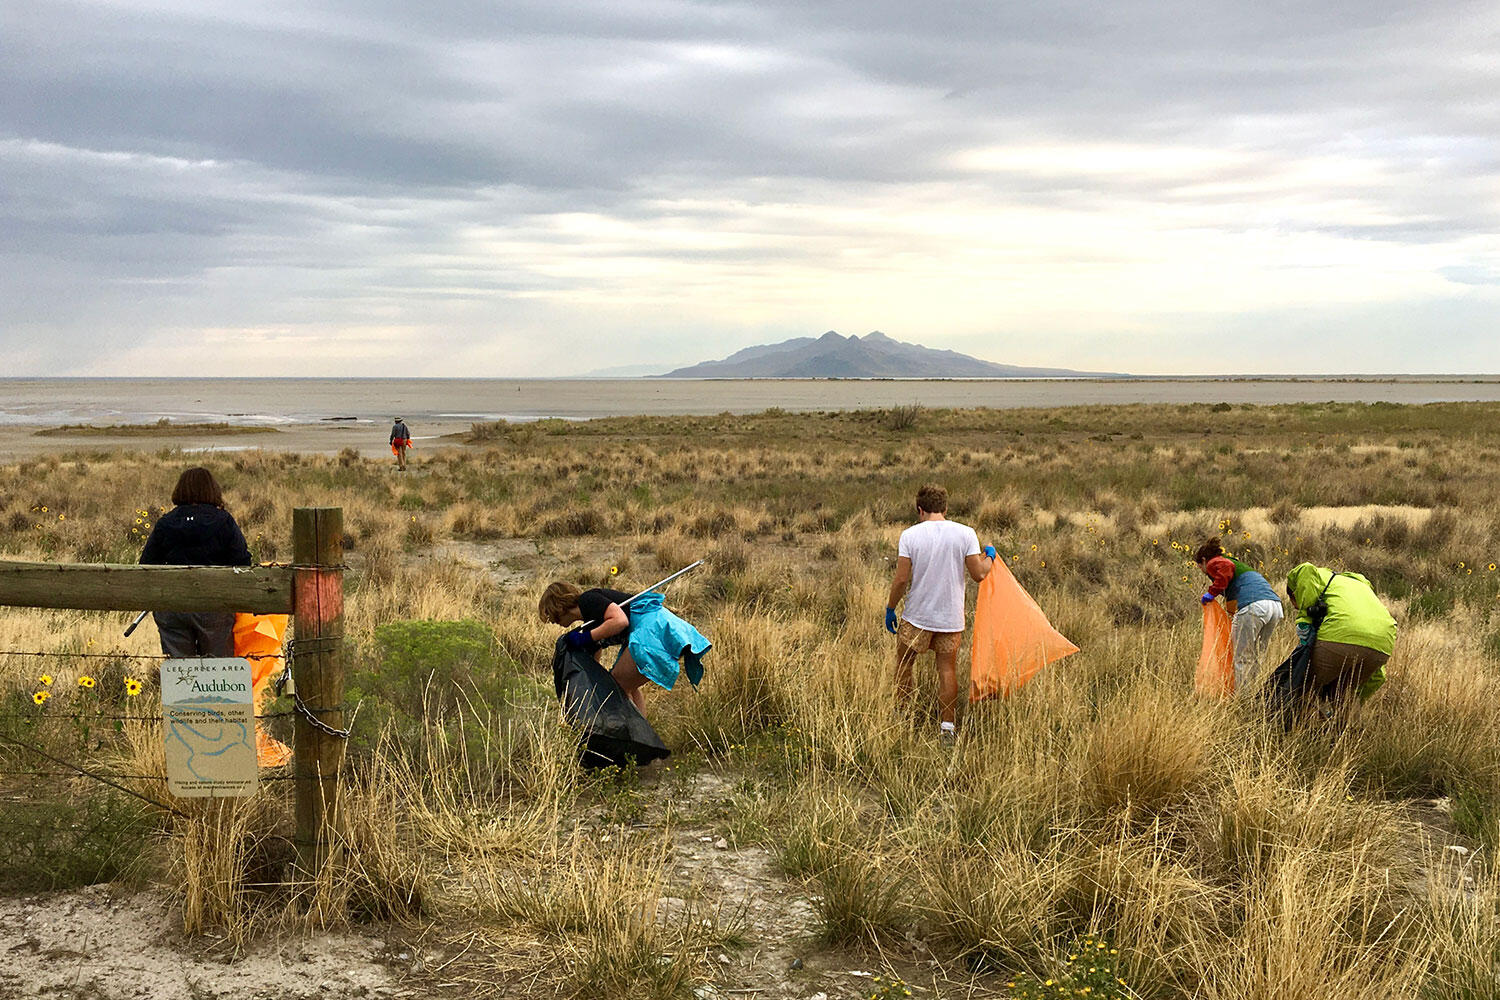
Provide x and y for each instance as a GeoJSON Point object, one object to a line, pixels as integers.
{"type": "Point", "coordinates": [208, 725]}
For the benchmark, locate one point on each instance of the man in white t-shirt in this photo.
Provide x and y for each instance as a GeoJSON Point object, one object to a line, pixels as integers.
{"type": "Point", "coordinates": [931, 561]}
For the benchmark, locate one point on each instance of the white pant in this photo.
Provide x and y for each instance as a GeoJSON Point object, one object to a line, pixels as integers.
{"type": "Point", "coordinates": [1248, 636]}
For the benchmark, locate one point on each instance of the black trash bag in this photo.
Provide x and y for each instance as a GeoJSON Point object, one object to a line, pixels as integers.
{"type": "Point", "coordinates": [1288, 688]}
{"type": "Point", "coordinates": [611, 730]}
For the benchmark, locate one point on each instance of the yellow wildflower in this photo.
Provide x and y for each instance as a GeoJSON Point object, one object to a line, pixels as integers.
{"type": "Point", "coordinates": [41, 696]}
{"type": "Point", "coordinates": [46, 679]}
{"type": "Point", "coordinates": [132, 687]}
{"type": "Point", "coordinates": [85, 681]}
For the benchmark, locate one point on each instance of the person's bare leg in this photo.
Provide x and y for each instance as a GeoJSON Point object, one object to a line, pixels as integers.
{"type": "Point", "coordinates": [906, 658]}
{"type": "Point", "coordinates": [630, 679]}
{"type": "Point", "coordinates": [947, 671]}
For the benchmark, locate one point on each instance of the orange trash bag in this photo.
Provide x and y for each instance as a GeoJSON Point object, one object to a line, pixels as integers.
{"type": "Point", "coordinates": [1215, 675]}
{"type": "Point", "coordinates": [258, 638]}
{"type": "Point", "coordinates": [1012, 637]}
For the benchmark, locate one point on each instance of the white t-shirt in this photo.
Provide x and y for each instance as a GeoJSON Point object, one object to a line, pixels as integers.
{"type": "Point", "coordinates": [937, 550]}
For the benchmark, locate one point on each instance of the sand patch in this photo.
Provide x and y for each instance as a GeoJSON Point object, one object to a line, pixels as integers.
{"type": "Point", "coordinates": [104, 944]}
{"type": "Point", "coordinates": [1257, 520]}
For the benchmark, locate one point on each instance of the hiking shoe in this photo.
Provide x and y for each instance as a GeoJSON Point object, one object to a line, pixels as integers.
{"type": "Point", "coordinates": [948, 737]}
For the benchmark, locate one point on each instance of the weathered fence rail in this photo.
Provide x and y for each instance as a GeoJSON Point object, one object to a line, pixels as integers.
{"type": "Point", "coordinates": [107, 587]}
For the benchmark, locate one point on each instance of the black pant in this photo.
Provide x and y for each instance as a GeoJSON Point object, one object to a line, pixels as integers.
{"type": "Point", "coordinates": [203, 633]}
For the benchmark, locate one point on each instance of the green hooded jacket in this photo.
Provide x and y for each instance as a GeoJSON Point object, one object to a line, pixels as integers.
{"type": "Point", "coordinates": [1355, 614]}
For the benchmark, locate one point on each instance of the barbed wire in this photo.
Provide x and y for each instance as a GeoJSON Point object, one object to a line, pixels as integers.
{"type": "Point", "coordinates": [289, 654]}
{"type": "Point", "coordinates": [120, 775]}
{"type": "Point", "coordinates": [45, 715]}
{"type": "Point", "coordinates": [341, 567]}
{"type": "Point", "coordinates": [162, 656]}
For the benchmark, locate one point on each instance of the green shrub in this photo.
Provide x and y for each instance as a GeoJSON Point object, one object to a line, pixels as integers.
{"type": "Point", "coordinates": [431, 669]}
{"type": "Point", "coordinates": [1430, 604]}
{"type": "Point", "coordinates": [64, 844]}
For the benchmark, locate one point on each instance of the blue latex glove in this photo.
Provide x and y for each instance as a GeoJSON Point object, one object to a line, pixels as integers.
{"type": "Point", "coordinates": [580, 638]}
{"type": "Point", "coordinates": [890, 620]}
{"type": "Point", "coordinates": [989, 550]}
{"type": "Point", "coordinates": [1207, 598]}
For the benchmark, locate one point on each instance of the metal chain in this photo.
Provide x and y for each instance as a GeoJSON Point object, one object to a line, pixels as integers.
{"type": "Point", "coordinates": [317, 723]}
{"type": "Point", "coordinates": [289, 673]}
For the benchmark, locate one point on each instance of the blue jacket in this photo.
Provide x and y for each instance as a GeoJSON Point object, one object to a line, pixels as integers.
{"type": "Point", "coordinates": [659, 639]}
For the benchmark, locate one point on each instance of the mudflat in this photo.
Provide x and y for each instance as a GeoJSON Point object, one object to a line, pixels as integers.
{"type": "Point", "coordinates": [328, 415]}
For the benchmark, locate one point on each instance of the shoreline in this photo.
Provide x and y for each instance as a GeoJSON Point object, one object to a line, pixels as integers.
{"type": "Point", "coordinates": [367, 437]}
{"type": "Point", "coordinates": [321, 412]}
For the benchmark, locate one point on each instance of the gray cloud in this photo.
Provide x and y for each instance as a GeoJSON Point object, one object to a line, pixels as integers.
{"type": "Point", "coordinates": [486, 175]}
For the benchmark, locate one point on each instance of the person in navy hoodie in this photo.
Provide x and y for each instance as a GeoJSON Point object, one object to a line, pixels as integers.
{"type": "Point", "coordinates": [198, 531]}
{"type": "Point", "coordinates": [1254, 608]}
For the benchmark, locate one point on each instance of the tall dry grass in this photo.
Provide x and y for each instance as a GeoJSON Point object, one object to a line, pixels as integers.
{"type": "Point", "coordinates": [1221, 856]}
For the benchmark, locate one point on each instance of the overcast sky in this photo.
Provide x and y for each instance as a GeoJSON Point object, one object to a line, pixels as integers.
{"type": "Point", "coordinates": [468, 187]}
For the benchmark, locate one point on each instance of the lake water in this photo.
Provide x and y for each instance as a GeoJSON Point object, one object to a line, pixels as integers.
{"type": "Point", "coordinates": [447, 402]}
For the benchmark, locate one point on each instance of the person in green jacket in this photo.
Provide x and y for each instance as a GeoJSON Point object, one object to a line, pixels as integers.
{"type": "Point", "coordinates": [1356, 636]}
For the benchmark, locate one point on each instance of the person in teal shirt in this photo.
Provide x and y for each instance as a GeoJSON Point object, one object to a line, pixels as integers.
{"type": "Point", "coordinates": [1254, 608]}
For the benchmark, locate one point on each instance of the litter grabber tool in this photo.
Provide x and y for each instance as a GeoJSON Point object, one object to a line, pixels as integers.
{"type": "Point", "coordinates": [655, 586]}
{"type": "Point", "coordinates": [138, 619]}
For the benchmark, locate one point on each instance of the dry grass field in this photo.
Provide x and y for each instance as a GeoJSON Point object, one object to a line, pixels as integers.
{"type": "Point", "coordinates": [1102, 833]}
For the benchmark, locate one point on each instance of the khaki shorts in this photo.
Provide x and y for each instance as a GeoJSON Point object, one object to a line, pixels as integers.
{"type": "Point", "coordinates": [919, 640]}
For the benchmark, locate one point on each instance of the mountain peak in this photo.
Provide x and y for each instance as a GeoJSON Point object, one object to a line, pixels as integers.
{"type": "Point", "coordinates": [876, 337]}
{"type": "Point", "coordinates": [832, 337]}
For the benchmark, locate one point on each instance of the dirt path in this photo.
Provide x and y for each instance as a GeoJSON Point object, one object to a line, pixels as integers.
{"type": "Point", "coordinates": [780, 955]}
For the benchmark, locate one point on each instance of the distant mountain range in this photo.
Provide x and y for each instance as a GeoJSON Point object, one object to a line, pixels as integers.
{"type": "Point", "coordinates": [872, 356]}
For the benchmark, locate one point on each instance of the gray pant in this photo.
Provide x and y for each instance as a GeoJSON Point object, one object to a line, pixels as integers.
{"type": "Point", "coordinates": [202, 633]}
{"type": "Point", "coordinates": [1248, 636]}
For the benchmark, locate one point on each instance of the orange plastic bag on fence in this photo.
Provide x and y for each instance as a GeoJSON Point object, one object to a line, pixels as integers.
{"type": "Point", "coordinates": [259, 638]}
{"type": "Point", "coordinates": [1012, 637]}
{"type": "Point", "coordinates": [1215, 675]}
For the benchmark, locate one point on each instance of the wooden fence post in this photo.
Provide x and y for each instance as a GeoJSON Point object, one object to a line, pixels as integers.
{"type": "Point", "coordinates": [318, 675]}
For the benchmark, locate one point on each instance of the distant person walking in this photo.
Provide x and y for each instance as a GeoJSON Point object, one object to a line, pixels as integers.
{"type": "Point", "coordinates": [198, 531]}
{"type": "Point", "coordinates": [931, 560]}
{"type": "Point", "coordinates": [400, 442]}
{"type": "Point", "coordinates": [1254, 608]}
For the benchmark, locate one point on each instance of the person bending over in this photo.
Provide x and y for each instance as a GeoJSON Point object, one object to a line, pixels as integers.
{"type": "Point", "coordinates": [931, 560]}
{"type": "Point", "coordinates": [657, 644]}
{"type": "Point", "coordinates": [1352, 633]}
{"type": "Point", "coordinates": [198, 531]}
{"type": "Point", "coordinates": [1254, 608]}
